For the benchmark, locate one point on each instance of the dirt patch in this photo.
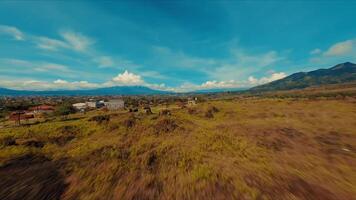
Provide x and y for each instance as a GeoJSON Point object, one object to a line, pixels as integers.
{"type": "Point", "coordinates": [332, 143]}
{"type": "Point", "coordinates": [31, 177]}
{"type": "Point", "coordinates": [278, 139]}
{"type": "Point", "coordinates": [285, 187]}
{"type": "Point", "coordinates": [304, 190]}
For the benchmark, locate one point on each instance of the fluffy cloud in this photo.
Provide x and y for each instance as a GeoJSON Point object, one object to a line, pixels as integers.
{"type": "Point", "coordinates": [12, 31]}
{"type": "Point", "coordinates": [341, 48]}
{"type": "Point", "coordinates": [128, 78]}
{"type": "Point", "coordinates": [275, 76]}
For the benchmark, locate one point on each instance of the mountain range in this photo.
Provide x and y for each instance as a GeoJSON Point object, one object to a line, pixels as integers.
{"type": "Point", "coordinates": [341, 73]}
{"type": "Point", "coordinates": [117, 90]}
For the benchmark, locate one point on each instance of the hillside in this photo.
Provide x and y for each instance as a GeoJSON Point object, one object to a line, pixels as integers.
{"type": "Point", "coordinates": [341, 73]}
{"type": "Point", "coordinates": [118, 90]}
{"type": "Point", "coordinates": [237, 149]}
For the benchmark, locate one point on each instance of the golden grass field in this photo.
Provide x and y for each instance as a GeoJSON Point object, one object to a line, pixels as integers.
{"type": "Point", "coordinates": [252, 148]}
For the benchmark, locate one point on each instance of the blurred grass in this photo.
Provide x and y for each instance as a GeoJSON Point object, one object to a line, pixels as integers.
{"type": "Point", "coordinates": [249, 149]}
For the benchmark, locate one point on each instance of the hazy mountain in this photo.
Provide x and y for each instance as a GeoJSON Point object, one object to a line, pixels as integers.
{"type": "Point", "coordinates": [341, 73]}
{"type": "Point", "coordinates": [118, 90]}
{"type": "Point", "coordinates": [215, 90]}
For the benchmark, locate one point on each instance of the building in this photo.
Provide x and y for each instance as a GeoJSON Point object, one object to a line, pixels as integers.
{"type": "Point", "coordinates": [92, 104]}
{"type": "Point", "coordinates": [115, 104]}
{"type": "Point", "coordinates": [191, 102]}
{"type": "Point", "coordinates": [17, 116]}
{"type": "Point", "coordinates": [80, 106]}
{"type": "Point", "coordinates": [42, 109]}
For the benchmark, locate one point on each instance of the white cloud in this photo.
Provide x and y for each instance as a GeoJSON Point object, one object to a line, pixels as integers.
{"type": "Point", "coordinates": [76, 41]}
{"type": "Point", "coordinates": [104, 61]}
{"type": "Point", "coordinates": [275, 76]}
{"type": "Point", "coordinates": [28, 84]}
{"type": "Point", "coordinates": [50, 44]}
{"type": "Point", "coordinates": [128, 78]}
{"type": "Point", "coordinates": [46, 67]}
{"type": "Point", "coordinates": [70, 40]}
{"type": "Point", "coordinates": [340, 48]}
{"type": "Point", "coordinates": [315, 51]}
{"type": "Point", "coordinates": [12, 31]}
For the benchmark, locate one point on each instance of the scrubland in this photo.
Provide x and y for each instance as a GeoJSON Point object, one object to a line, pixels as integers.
{"type": "Point", "coordinates": [243, 148]}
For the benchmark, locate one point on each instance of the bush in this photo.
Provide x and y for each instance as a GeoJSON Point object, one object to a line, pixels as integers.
{"type": "Point", "coordinates": [165, 125]}
{"type": "Point", "coordinates": [209, 114]}
{"type": "Point", "coordinates": [7, 141]}
{"type": "Point", "coordinates": [100, 119]}
{"type": "Point", "coordinates": [64, 109]}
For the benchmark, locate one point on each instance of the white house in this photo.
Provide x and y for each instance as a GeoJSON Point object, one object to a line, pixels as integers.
{"type": "Point", "coordinates": [79, 106]}
{"type": "Point", "coordinates": [115, 104]}
{"type": "Point", "coordinates": [92, 104]}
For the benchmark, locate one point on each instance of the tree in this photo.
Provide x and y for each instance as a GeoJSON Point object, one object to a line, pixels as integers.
{"type": "Point", "coordinates": [64, 110]}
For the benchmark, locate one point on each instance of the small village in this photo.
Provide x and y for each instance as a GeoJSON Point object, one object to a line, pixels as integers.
{"type": "Point", "coordinates": [41, 111]}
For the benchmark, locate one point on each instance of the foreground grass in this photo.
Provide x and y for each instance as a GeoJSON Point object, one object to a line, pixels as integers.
{"type": "Point", "coordinates": [244, 149]}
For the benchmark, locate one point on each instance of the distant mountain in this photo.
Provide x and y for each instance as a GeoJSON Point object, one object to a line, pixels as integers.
{"type": "Point", "coordinates": [117, 90]}
{"type": "Point", "coordinates": [341, 73]}
{"type": "Point", "coordinates": [215, 90]}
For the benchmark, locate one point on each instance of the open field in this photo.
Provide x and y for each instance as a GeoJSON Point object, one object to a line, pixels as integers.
{"type": "Point", "coordinates": [265, 148]}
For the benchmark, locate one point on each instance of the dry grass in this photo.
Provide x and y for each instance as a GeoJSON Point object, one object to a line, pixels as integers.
{"type": "Point", "coordinates": [250, 149]}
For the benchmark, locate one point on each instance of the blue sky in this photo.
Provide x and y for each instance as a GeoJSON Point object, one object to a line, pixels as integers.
{"type": "Point", "coordinates": [169, 45]}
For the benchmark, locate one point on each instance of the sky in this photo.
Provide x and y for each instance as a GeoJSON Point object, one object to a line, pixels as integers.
{"type": "Point", "coordinates": [170, 45]}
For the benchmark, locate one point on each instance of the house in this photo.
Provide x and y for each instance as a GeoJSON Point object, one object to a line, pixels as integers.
{"type": "Point", "coordinates": [92, 104]}
{"type": "Point", "coordinates": [17, 116]}
{"type": "Point", "coordinates": [191, 102]}
{"type": "Point", "coordinates": [80, 106]}
{"type": "Point", "coordinates": [41, 109]}
{"type": "Point", "coordinates": [115, 104]}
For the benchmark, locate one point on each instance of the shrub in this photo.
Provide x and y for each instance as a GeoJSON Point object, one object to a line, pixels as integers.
{"type": "Point", "coordinates": [7, 141]}
{"type": "Point", "coordinates": [165, 112]}
{"type": "Point", "coordinates": [64, 110]}
{"type": "Point", "coordinates": [165, 125]}
{"type": "Point", "coordinates": [100, 119]}
{"type": "Point", "coordinates": [209, 114]}
{"type": "Point", "coordinates": [130, 122]}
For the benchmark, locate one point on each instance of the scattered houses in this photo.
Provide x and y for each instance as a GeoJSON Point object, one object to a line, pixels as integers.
{"type": "Point", "coordinates": [114, 104]}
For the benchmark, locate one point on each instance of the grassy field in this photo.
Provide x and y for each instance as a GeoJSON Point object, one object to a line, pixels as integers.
{"type": "Point", "coordinates": [263, 148]}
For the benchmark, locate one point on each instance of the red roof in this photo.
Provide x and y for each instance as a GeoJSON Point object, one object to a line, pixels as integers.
{"type": "Point", "coordinates": [23, 115]}
{"type": "Point", "coordinates": [42, 107]}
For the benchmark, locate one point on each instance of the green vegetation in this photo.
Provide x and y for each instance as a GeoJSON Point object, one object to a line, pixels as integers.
{"type": "Point", "coordinates": [242, 148]}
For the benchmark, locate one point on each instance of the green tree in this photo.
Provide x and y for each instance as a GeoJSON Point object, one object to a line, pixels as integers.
{"type": "Point", "coordinates": [64, 110]}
